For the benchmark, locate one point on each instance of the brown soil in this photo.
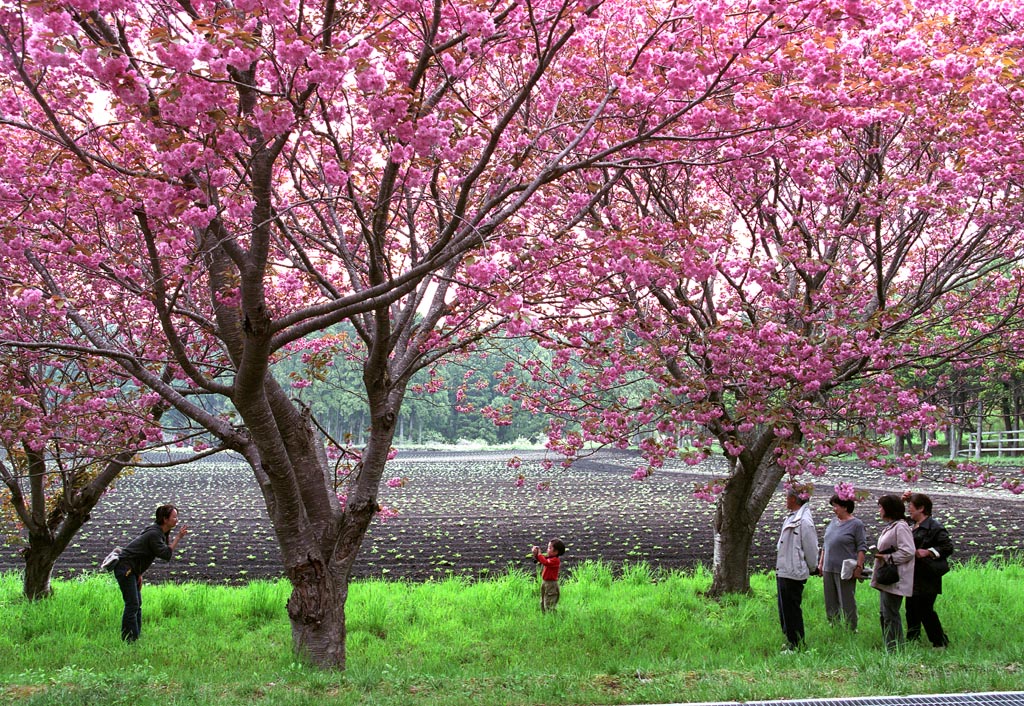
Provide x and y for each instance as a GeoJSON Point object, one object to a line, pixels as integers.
{"type": "Point", "coordinates": [462, 514]}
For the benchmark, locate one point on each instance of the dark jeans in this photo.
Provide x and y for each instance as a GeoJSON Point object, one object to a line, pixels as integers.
{"type": "Point", "coordinates": [791, 593]}
{"type": "Point", "coordinates": [131, 591]}
{"type": "Point", "coordinates": [921, 611]}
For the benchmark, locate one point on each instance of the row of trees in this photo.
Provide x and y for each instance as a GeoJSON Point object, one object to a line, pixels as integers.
{"type": "Point", "coordinates": [758, 223]}
{"type": "Point", "coordinates": [456, 400]}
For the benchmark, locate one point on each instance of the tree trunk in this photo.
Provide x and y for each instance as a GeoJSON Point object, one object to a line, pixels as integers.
{"type": "Point", "coordinates": [453, 418]}
{"type": "Point", "coordinates": [754, 479]}
{"type": "Point", "coordinates": [316, 607]}
{"type": "Point", "coordinates": [40, 556]}
{"type": "Point", "coordinates": [47, 544]}
{"type": "Point", "coordinates": [316, 610]}
{"type": "Point", "coordinates": [1006, 407]}
{"type": "Point", "coordinates": [1018, 404]}
{"type": "Point", "coordinates": [319, 540]}
{"type": "Point", "coordinates": [733, 537]}
{"type": "Point", "coordinates": [50, 533]}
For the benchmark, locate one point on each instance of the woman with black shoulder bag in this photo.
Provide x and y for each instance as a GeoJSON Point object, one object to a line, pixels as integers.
{"type": "Point", "coordinates": [895, 550]}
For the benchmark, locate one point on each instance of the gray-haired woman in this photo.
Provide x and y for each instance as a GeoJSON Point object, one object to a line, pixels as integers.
{"type": "Point", "coordinates": [932, 547]}
{"type": "Point", "coordinates": [796, 559]}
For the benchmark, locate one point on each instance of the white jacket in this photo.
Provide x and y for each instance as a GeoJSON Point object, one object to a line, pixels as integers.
{"type": "Point", "coordinates": [798, 546]}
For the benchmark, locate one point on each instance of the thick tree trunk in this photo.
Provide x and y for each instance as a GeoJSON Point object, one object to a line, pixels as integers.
{"type": "Point", "coordinates": [40, 556]}
{"type": "Point", "coordinates": [320, 544]}
{"type": "Point", "coordinates": [297, 486]}
{"type": "Point", "coordinates": [755, 478]}
{"type": "Point", "coordinates": [732, 540]}
{"type": "Point", "coordinates": [316, 610]}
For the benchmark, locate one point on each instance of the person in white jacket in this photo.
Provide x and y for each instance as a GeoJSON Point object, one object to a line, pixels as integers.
{"type": "Point", "coordinates": [797, 558]}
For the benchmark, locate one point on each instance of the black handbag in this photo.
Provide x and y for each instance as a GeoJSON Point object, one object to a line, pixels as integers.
{"type": "Point", "coordinates": [887, 573]}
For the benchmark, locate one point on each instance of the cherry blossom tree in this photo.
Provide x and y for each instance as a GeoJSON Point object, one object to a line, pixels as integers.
{"type": "Point", "coordinates": [782, 304]}
{"type": "Point", "coordinates": [69, 427]}
{"type": "Point", "coordinates": [70, 423]}
{"type": "Point", "coordinates": [239, 176]}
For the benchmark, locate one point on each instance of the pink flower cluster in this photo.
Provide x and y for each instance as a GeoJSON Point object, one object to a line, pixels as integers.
{"type": "Point", "coordinates": [803, 490]}
{"type": "Point", "coordinates": [845, 490]}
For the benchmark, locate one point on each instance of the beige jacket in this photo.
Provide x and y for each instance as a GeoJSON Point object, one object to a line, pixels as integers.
{"type": "Point", "coordinates": [899, 535]}
{"type": "Point", "coordinates": [797, 551]}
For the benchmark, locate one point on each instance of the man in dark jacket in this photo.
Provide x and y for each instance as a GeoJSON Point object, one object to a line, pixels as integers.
{"type": "Point", "coordinates": [933, 546]}
{"type": "Point", "coordinates": [136, 558]}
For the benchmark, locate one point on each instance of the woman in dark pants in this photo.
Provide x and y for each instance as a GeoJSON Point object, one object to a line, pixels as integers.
{"type": "Point", "coordinates": [151, 544]}
{"type": "Point", "coordinates": [933, 546]}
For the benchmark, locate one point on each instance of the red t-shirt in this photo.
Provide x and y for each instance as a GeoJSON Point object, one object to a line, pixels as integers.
{"type": "Point", "coordinates": [551, 564]}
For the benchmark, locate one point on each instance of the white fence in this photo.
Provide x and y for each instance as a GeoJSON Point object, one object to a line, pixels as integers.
{"type": "Point", "coordinates": [994, 442]}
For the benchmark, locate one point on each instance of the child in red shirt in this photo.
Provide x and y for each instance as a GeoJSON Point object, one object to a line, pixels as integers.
{"type": "Point", "coordinates": [549, 576]}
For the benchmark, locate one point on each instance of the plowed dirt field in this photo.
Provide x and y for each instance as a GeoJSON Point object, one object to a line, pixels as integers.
{"type": "Point", "coordinates": [462, 513]}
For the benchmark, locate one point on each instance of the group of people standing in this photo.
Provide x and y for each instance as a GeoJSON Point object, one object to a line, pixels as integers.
{"type": "Point", "coordinates": [917, 547]}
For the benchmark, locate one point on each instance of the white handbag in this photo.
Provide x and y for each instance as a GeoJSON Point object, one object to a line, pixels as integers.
{"type": "Point", "coordinates": [849, 566]}
{"type": "Point", "coordinates": [110, 561]}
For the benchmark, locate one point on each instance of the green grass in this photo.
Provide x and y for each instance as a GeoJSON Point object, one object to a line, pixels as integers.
{"type": "Point", "coordinates": [635, 637]}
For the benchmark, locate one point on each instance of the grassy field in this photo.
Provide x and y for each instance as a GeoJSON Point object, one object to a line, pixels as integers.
{"type": "Point", "coordinates": [636, 638]}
